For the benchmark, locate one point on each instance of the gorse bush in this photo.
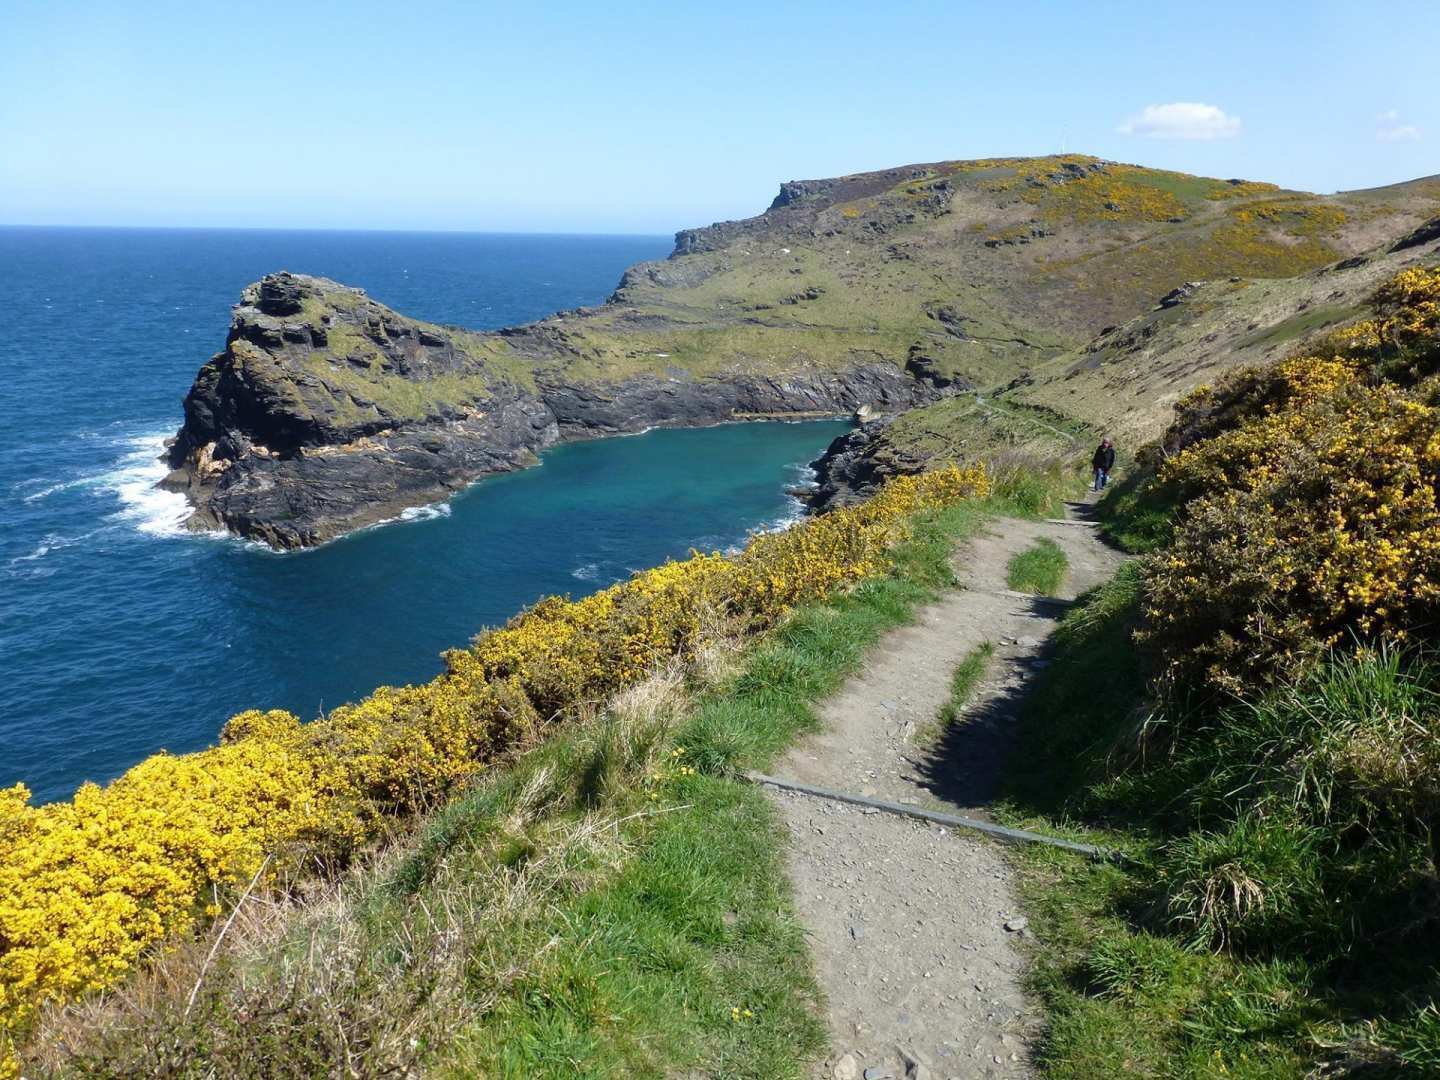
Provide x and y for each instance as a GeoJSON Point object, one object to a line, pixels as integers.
{"type": "Point", "coordinates": [88, 886]}
{"type": "Point", "coordinates": [1311, 512]}
{"type": "Point", "coordinates": [1289, 620]}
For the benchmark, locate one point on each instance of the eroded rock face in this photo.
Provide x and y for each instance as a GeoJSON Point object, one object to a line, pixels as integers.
{"type": "Point", "coordinates": [855, 464]}
{"type": "Point", "coordinates": [327, 411]}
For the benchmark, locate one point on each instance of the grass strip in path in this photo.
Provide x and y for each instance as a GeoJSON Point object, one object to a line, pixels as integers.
{"type": "Point", "coordinates": [963, 681]}
{"type": "Point", "coordinates": [1040, 569]}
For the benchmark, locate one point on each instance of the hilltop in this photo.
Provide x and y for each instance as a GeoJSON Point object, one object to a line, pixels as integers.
{"type": "Point", "coordinates": [891, 289]}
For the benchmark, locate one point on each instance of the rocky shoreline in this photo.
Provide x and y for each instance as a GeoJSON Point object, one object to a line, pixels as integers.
{"type": "Point", "coordinates": [852, 467]}
{"type": "Point", "coordinates": [327, 411]}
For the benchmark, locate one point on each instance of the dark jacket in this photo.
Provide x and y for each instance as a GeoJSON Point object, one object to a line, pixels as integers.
{"type": "Point", "coordinates": [1104, 458]}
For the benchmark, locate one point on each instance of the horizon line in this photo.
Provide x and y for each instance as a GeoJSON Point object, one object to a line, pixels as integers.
{"type": "Point", "coordinates": [333, 229]}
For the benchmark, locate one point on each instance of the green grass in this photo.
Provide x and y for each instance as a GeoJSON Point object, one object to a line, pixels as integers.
{"type": "Point", "coordinates": [963, 680]}
{"type": "Point", "coordinates": [1039, 569]}
{"type": "Point", "coordinates": [1134, 514]}
{"type": "Point", "coordinates": [612, 904]}
{"type": "Point", "coordinates": [640, 974]}
{"type": "Point", "coordinates": [1124, 997]}
{"type": "Point", "coordinates": [1306, 322]}
{"type": "Point", "coordinates": [1126, 961]}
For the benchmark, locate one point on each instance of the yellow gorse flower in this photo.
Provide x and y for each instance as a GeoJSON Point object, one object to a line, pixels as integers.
{"type": "Point", "coordinates": [1312, 501]}
{"type": "Point", "coordinates": [87, 887]}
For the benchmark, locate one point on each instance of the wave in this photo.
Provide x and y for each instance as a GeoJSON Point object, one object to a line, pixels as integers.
{"type": "Point", "coordinates": [144, 505]}
{"type": "Point", "coordinates": [51, 543]}
{"type": "Point", "coordinates": [423, 513]}
{"type": "Point", "coordinates": [131, 478]}
{"type": "Point", "coordinates": [588, 572]}
{"type": "Point", "coordinates": [45, 492]}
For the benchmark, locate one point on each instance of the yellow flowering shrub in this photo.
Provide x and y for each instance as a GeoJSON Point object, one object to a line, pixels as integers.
{"type": "Point", "coordinates": [1311, 494]}
{"type": "Point", "coordinates": [88, 887]}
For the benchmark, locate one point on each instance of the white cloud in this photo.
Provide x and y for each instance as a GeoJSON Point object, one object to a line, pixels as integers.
{"type": "Point", "coordinates": [1389, 128]}
{"type": "Point", "coordinates": [1182, 120]}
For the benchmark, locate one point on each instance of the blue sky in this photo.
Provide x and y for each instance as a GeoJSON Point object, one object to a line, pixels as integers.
{"type": "Point", "coordinates": [650, 117]}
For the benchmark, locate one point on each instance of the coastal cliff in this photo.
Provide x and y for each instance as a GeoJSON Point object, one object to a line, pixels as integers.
{"type": "Point", "coordinates": [327, 411]}
{"type": "Point", "coordinates": [999, 294]}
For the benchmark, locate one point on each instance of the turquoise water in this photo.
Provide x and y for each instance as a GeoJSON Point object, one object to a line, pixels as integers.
{"type": "Point", "coordinates": [121, 635]}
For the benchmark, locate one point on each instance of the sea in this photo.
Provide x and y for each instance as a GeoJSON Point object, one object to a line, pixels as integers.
{"type": "Point", "coordinates": [121, 634]}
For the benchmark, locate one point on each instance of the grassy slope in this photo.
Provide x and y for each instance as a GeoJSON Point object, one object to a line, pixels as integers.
{"type": "Point", "coordinates": [1249, 306]}
{"type": "Point", "coordinates": [1125, 998]}
{"type": "Point", "coordinates": [992, 270]}
{"type": "Point", "coordinates": [1108, 245]}
{"type": "Point", "coordinates": [615, 904]}
{"type": "Point", "coordinates": [1127, 992]}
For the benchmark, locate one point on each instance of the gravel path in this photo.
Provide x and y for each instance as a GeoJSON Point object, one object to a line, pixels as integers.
{"type": "Point", "coordinates": [914, 927]}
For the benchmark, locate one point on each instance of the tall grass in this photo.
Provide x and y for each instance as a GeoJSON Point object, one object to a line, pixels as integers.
{"type": "Point", "coordinates": [1280, 902]}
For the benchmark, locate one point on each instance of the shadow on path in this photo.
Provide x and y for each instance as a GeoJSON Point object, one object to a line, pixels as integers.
{"type": "Point", "coordinates": [964, 766]}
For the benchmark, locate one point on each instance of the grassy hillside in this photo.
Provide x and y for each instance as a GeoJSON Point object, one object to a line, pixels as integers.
{"type": "Point", "coordinates": [1127, 379]}
{"type": "Point", "coordinates": [987, 268]}
{"type": "Point", "coordinates": [1252, 713]}
{"type": "Point", "coordinates": [1036, 281]}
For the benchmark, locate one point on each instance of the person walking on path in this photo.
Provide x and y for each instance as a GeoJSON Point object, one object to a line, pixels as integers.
{"type": "Point", "coordinates": [1103, 462]}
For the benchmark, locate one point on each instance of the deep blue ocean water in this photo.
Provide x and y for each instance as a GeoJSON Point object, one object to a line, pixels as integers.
{"type": "Point", "coordinates": [121, 635]}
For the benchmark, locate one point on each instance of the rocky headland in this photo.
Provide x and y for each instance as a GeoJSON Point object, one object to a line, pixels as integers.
{"type": "Point", "coordinates": [328, 411]}
{"type": "Point", "coordinates": [966, 306]}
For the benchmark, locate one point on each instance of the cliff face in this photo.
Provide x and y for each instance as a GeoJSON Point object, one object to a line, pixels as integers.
{"type": "Point", "coordinates": [328, 411]}
{"type": "Point", "coordinates": [891, 289]}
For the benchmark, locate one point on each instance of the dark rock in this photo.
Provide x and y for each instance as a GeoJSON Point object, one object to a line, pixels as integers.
{"type": "Point", "coordinates": [814, 292]}
{"type": "Point", "coordinates": [855, 464]}
{"type": "Point", "coordinates": [949, 318]}
{"type": "Point", "coordinates": [1180, 295]}
{"type": "Point", "coordinates": [923, 369]}
{"type": "Point", "coordinates": [293, 440]}
{"type": "Point", "coordinates": [1423, 235]}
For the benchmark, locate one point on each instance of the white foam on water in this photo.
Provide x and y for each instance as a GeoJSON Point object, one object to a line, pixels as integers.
{"type": "Point", "coordinates": [588, 572]}
{"type": "Point", "coordinates": [45, 492]}
{"type": "Point", "coordinates": [52, 542]}
{"type": "Point", "coordinates": [428, 512]}
{"type": "Point", "coordinates": [424, 513]}
{"type": "Point", "coordinates": [145, 506]}
{"type": "Point", "coordinates": [804, 475]}
{"type": "Point", "coordinates": [793, 515]}
{"type": "Point", "coordinates": [39, 553]}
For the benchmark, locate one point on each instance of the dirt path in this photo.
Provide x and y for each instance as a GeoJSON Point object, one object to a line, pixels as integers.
{"type": "Point", "coordinates": [908, 922]}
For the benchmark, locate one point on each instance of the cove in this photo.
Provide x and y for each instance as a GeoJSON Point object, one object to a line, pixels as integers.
{"type": "Point", "coordinates": [182, 631]}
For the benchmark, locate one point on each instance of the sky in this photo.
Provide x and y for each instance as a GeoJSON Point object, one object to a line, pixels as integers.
{"type": "Point", "coordinates": [646, 118]}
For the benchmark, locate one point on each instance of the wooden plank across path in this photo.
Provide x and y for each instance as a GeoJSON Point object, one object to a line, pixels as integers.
{"type": "Point", "coordinates": [1000, 832]}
